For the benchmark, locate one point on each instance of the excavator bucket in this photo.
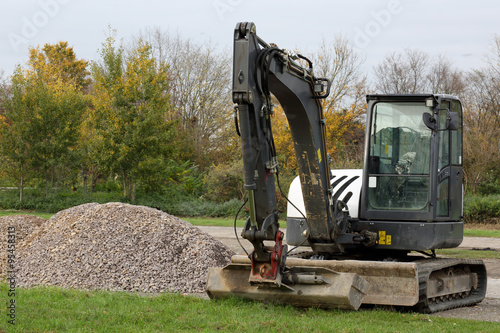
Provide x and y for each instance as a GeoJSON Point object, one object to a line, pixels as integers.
{"type": "Point", "coordinates": [342, 284]}
{"type": "Point", "coordinates": [314, 287]}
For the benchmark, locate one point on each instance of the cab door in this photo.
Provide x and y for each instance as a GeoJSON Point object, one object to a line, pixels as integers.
{"type": "Point", "coordinates": [449, 172]}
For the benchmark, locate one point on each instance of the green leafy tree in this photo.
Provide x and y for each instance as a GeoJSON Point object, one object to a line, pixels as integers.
{"type": "Point", "coordinates": [43, 113]}
{"type": "Point", "coordinates": [130, 116]}
{"type": "Point", "coordinates": [14, 148]}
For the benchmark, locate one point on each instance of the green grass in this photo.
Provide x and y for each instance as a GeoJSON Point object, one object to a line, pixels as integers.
{"type": "Point", "coordinates": [481, 233]}
{"type": "Point", "coordinates": [220, 221]}
{"type": "Point", "coordinates": [468, 254]}
{"type": "Point", "coordinates": [50, 309]}
{"type": "Point", "coordinates": [214, 221]}
{"type": "Point", "coordinates": [19, 212]}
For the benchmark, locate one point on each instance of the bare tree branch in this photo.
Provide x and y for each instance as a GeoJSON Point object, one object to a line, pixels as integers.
{"type": "Point", "coordinates": [338, 61]}
{"type": "Point", "coordinates": [402, 73]}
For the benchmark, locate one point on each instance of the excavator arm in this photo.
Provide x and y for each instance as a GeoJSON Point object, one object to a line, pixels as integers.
{"type": "Point", "coordinates": [260, 70]}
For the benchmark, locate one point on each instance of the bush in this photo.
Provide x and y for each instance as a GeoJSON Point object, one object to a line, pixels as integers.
{"type": "Point", "coordinates": [205, 208]}
{"type": "Point", "coordinates": [489, 188]}
{"type": "Point", "coordinates": [35, 200]}
{"type": "Point", "coordinates": [182, 205]}
{"type": "Point", "coordinates": [172, 201]}
{"type": "Point", "coordinates": [224, 182]}
{"type": "Point", "coordinates": [185, 176]}
{"type": "Point", "coordinates": [108, 186]}
{"type": "Point", "coordinates": [482, 209]}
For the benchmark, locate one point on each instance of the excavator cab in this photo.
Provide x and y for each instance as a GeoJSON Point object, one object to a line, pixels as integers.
{"type": "Point", "coordinates": [412, 179]}
{"type": "Point", "coordinates": [409, 192]}
{"type": "Point", "coordinates": [412, 151]}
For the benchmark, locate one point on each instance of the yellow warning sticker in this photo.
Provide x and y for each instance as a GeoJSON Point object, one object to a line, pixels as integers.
{"type": "Point", "coordinates": [381, 237]}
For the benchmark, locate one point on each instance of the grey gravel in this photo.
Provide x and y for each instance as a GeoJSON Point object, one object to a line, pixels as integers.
{"type": "Point", "coordinates": [23, 226]}
{"type": "Point", "coordinates": [118, 246]}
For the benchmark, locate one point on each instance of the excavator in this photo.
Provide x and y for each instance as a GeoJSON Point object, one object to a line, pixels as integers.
{"type": "Point", "coordinates": [353, 237]}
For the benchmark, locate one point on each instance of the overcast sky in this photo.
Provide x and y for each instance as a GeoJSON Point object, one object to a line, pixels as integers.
{"type": "Point", "coordinates": [462, 30]}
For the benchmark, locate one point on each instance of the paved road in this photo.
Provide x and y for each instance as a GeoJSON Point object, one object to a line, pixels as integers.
{"type": "Point", "coordinates": [481, 243]}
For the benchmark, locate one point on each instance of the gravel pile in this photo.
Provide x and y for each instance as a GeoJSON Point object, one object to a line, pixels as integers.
{"type": "Point", "coordinates": [117, 246]}
{"type": "Point", "coordinates": [23, 226]}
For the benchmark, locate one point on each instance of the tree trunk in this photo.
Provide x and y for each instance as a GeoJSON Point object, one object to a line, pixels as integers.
{"type": "Point", "coordinates": [126, 185]}
{"type": "Point", "coordinates": [52, 172]}
{"type": "Point", "coordinates": [46, 185]}
{"type": "Point", "coordinates": [84, 176]}
{"type": "Point", "coordinates": [21, 187]}
{"type": "Point", "coordinates": [92, 176]}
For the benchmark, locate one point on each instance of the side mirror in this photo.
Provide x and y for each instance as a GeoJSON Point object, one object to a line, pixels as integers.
{"type": "Point", "coordinates": [429, 121]}
{"type": "Point", "coordinates": [452, 120]}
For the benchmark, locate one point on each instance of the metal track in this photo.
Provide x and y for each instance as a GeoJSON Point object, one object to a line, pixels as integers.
{"type": "Point", "coordinates": [434, 304]}
{"type": "Point", "coordinates": [427, 266]}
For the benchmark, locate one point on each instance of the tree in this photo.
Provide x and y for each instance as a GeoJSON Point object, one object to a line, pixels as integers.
{"type": "Point", "coordinates": [482, 120]}
{"type": "Point", "coordinates": [14, 151]}
{"type": "Point", "coordinates": [3, 95]}
{"type": "Point", "coordinates": [43, 112]}
{"type": "Point", "coordinates": [493, 56]}
{"type": "Point", "coordinates": [481, 147]}
{"type": "Point", "coordinates": [402, 73]}
{"type": "Point", "coordinates": [95, 147]}
{"type": "Point", "coordinates": [346, 105]}
{"type": "Point", "coordinates": [344, 108]}
{"type": "Point", "coordinates": [443, 78]}
{"type": "Point", "coordinates": [338, 61]}
{"type": "Point", "coordinates": [415, 72]}
{"type": "Point", "coordinates": [200, 83]}
{"type": "Point", "coordinates": [59, 62]}
{"type": "Point", "coordinates": [131, 115]}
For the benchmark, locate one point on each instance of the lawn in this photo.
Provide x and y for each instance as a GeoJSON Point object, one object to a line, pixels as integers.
{"type": "Point", "coordinates": [468, 254]}
{"type": "Point", "coordinates": [51, 309]}
{"type": "Point", "coordinates": [18, 212]}
{"type": "Point", "coordinates": [482, 230]}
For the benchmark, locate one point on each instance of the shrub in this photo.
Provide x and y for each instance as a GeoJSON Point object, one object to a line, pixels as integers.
{"type": "Point", "coordinates": [489, 188]}
{"type": "Point", "coordinates": [224, 182]}
{"type": "Point", "coordinates": [482, 209]}
{"type": "Point", "coordinates": [185, 176]}
{"type": "Point", "coordinates": [199, 207]}
{"type": "Point", "coordinates": [37, 201]}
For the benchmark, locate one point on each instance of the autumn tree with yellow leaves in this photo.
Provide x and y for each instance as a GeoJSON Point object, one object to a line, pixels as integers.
{"type": "Point", "coordinates": [43, 113]}
{"type": "Point", "coordinates": [344, 108]}
{"type": "Point", "coordinates": [131, 134]}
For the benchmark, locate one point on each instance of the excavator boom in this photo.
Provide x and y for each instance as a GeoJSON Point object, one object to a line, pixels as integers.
{"type": "Point", "coordinates": [260, 69]}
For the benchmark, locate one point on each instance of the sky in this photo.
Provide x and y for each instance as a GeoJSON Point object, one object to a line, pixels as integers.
{"type": "Point", "coordinates": [462, 30]}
